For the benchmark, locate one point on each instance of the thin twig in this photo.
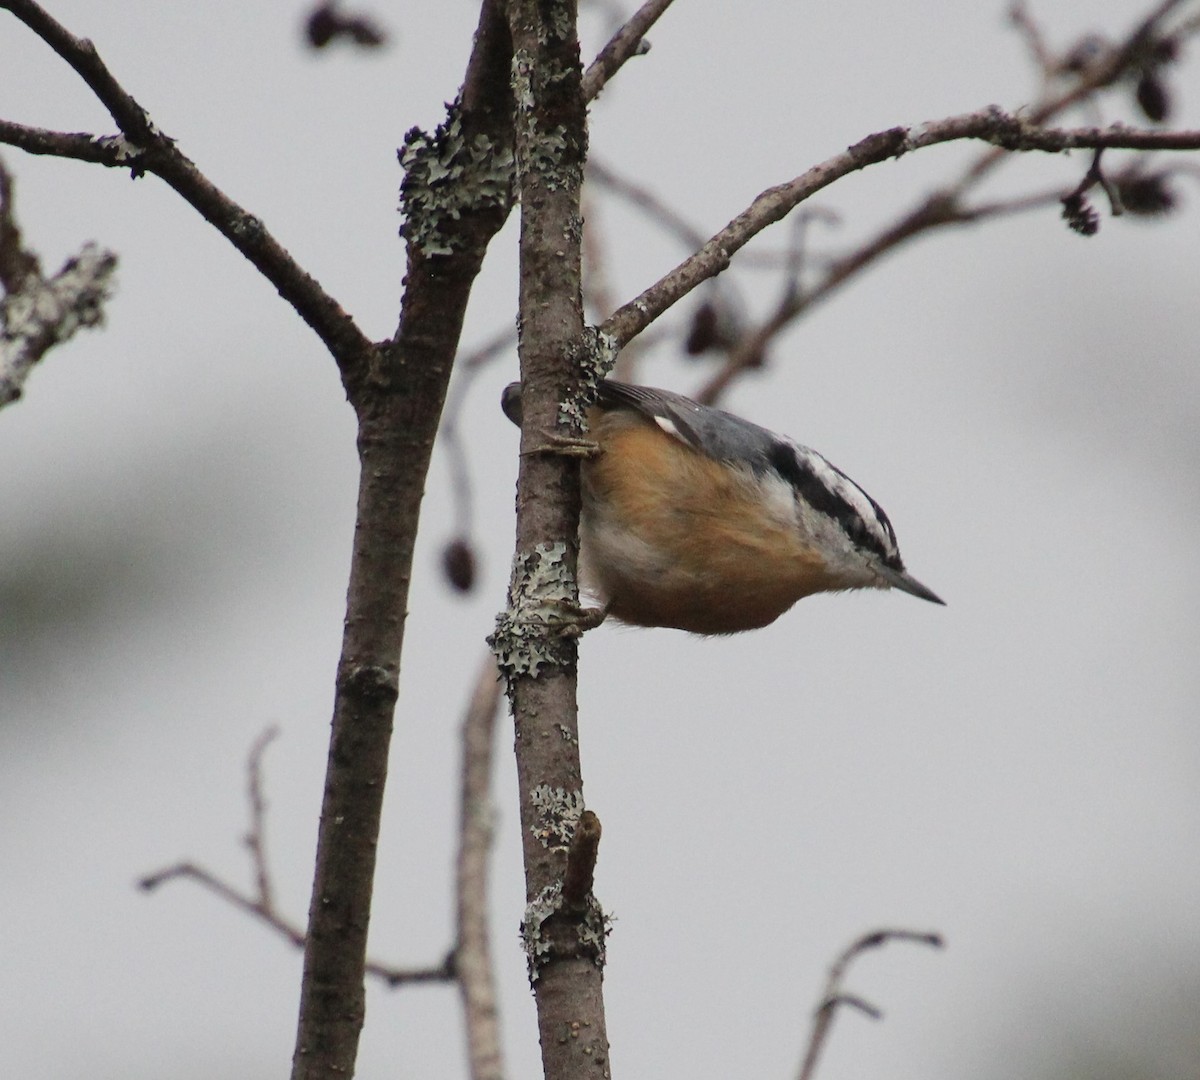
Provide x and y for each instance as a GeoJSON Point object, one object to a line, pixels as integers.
{"type": "Point", "coordinates": [628, 41]}
{"type": "Point", "coordinates": [579, 875]}
{"type": "Point", "coordinates": [472, 957]}
{"type": "Point", "coordinates": [945, 206]}
{"type": "Point", "coordinates": [935, 212]}
{"type": "Point", "coordinates": [658, 210]}
{"type": "Point", "coordinates": [143, 148]}
{"type": "Point", "coordinates": [262, 906]}
{"type": "Point", "coordinates": [989, 125]}
{"type": "Point", "coordinates": [834, 995]}
{"type": "Point", "coordinates": [467, 367]}
{"type": "Point", "coordinates": [1099, 75]}
{"type": "Point", "coordinates": [598, 296]}
{"type": "Point", "coordinates": [1019, 16]}
{"type": "Point", "coordinates": [662, 215]}
{"type": "Point", "coordinates": [249, 904]}
{"type": "Point", "coordinates": [255, 840]}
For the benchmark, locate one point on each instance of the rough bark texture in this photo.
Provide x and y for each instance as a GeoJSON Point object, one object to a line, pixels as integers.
{"type": "Point", "coordinates": [565, 947]}
{"type": "Point", "coordinates": [398, 400]}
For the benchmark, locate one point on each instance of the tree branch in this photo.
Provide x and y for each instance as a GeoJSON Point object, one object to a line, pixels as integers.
{"type": "Point", "coordinates": [835, 996]}
{"type": "Point", "coordinates": [990, 125]}
{"type": "Point", "coordinates": [538, 659]}
{"type": "Point", "coordinates": [472, 956]}
{"type": "Point", "coordinates": [946, 207]}
{"type": "Point", "coordinates": [447, 229]}
{"type": "Point", "coordinates": [143, 148]}
{"type": "Point", "coordinates": [935, 211]}
{"type": "Point", "coordinates": [261, 905]}
{"type": "Point", "coordinates": [36, 313]}
{"type": "Point", "coordinates": [628, 41]}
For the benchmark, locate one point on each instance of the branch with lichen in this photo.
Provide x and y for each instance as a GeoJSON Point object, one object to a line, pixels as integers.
{"type": "Point", "coordinates": [38, 313]}
{"type": "Point", "coordinates": [143, 148]}
{"type": "Point", "coordinates": [533, 641]}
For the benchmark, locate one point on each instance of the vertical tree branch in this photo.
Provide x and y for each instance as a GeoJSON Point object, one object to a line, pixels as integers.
{"type": "Point", "coordinates": [472, 958]}
{"type": "Point", "coordinates": [398, 404]}
{"type": "Point", "coordinates": [565, 949]}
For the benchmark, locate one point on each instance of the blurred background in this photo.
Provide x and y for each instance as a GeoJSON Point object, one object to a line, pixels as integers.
{"type": "Point", "coordinates": [1019, 771]}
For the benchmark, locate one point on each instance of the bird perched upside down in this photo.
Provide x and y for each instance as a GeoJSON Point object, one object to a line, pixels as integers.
{"type": "Point", "coordinates": [696, 519]}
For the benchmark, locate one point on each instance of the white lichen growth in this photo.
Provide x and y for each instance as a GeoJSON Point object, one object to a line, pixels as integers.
{"type": "Point", "coordinates": [44, 313]}
{"type": "Point", "coordinates": [529, 633]}
{"type": "Point", "coordinates": [591, 926]}
{"type": "Point", "coordinates": [593, 930]}
{"type": "Point", "coordinates": [536, 944]}
{"type": "Point", "coordinates": [593, 357]}
{"type": "Point", "coordinates": [446, 175]}
{"type": "Point", "coordinates": [124, 152]}
{"type": "Point", "coordinates": [557, 813]}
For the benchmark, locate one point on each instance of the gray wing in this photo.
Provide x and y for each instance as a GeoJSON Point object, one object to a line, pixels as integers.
{"type": "Point", "coordinates": [713, 432]}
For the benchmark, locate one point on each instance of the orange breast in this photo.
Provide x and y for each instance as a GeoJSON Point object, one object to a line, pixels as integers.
{"type": "Point", "coordinates": [673, 538]}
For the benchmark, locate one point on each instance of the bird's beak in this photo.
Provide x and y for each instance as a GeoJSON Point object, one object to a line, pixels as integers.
{"type": "Point", "coordinates": [905, 582]}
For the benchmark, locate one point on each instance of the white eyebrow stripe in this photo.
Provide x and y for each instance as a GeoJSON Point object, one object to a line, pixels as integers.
{"type": "Point", "coordinates": [838, 483]}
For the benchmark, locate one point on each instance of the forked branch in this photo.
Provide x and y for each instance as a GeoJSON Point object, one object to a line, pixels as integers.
{"type": "Point", "coordinates": [835, 996]}
{"type": "Point", "coordinates": [143, 148]}
{"type": "Point", "coordinates": [990, 125]}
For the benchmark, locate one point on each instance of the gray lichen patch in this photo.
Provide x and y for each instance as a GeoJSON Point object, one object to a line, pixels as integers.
{"type": "Point", "coordinates": [592, 356]}
{"type": "Point", "coordinates": [537, 945]}
{"type": "Point", "coordinates": [446, 175]}
{"type": "Point", "coordinates": [557, 813]}
{"type": "Point", "coordinates": [587, 935]}
{"type": "Point", "coordinates": [528, 635]}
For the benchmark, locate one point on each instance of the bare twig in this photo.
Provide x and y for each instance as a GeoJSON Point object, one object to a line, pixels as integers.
{"type": "Point", "coordinates": [472, 956]}
{"type": "Point", "coordinates": [581, 861]}
{"type": "Point", "coordinates": [936, 211]}
{"type": "Point", "coordinates": [988, 125]}
{"type": "Point", "coordinates": [945, 207]}
{"type": "Point", "coordinates": [658, 210]}
{"type": "Point", "coordinates": [37, 313]}
{"type": "Point", "coordinates": [1105, 69]}
{"type": "Point", "coordinates": [1095, 177]}
{"type": "Point", "coordinates": [143, 148]}
{"type": "Point", "coordinates": [256, 839]}
{"type": "Point", "coordinates": [1019, 16]}
{"type": "Point", "coordinates": [662, 215]}
{"type": "Point", "coordinates": [467, 367]}
{"type": "Point", "coordinates": [628, 41]}
{"type": "Point", "coordinates": [262, 904]}
{"type": "Point", "coordinates": [835, 996]}
{"type": "Point", "coordinates": [598, 295]}
{"type": "Point", "coordinates": [250, 904]}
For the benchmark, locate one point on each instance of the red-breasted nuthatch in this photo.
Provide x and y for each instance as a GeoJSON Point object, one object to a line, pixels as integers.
{"type": "Point", "coordinates": [696, 519]}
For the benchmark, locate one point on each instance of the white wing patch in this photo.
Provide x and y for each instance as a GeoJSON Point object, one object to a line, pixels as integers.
{"type": "Point", "coordinates": [669, 427]}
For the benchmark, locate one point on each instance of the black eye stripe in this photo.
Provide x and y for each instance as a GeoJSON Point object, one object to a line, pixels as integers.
{"type": "Point", "coordinates": [784, 460]}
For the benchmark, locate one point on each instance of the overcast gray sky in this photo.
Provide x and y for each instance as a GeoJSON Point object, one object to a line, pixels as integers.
{"type": "Point", "coordinates": [1019, 770]}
